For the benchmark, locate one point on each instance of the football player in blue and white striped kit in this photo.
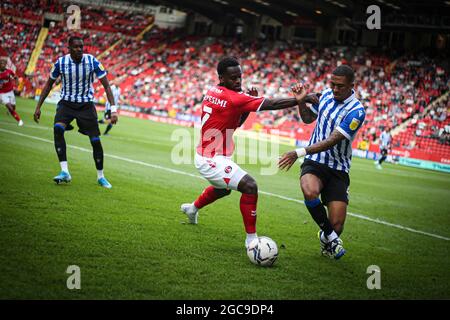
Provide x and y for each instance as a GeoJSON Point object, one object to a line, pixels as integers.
{"type": "Point", "coordinates": [385, 146]}
{"type": "Point", "coordinates": [77, 71]}
{"type": "Point", "coordinates": [107, 115]}
{"type": "Point", "coordinates": [328, 156]}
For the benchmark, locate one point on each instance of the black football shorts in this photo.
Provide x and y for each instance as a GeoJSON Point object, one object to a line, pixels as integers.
{"type": "Point", "coordinates": [335, 183]}
{"type": "Point", "coordinates": [84, 113]}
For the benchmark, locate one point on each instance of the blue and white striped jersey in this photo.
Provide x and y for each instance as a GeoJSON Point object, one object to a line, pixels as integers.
{"type": "Point", "coordinates": [77, 78]}
{"type": "Point", "coordinates": [346, 117]}
{"type": "Point", "coordinates": [385, 140]}
{"type": "Point", "coordinates": [116, 94]}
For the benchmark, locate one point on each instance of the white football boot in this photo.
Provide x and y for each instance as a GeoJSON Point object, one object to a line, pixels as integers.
{"type": "Point", "coordinates": [191, 211]}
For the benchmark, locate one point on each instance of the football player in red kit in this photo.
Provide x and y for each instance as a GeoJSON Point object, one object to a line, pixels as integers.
{"type": "Point", "coordinates": [7, 82]}
{"type": "Point", "coordinates": [224, 108]}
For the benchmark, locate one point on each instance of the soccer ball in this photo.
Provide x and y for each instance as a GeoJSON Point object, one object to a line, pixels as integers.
{"type": "Point", "coordinates": [263, 251]}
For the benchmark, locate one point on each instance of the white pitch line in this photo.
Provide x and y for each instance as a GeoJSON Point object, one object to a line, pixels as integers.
{"type": "Point", "coordinates": [14, 124]}
{"type": "Point", "coordinates": [356, 215]}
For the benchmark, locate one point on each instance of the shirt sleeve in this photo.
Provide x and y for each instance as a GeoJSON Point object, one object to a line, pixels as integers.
{"type": "Point", "coordinates": [351, 123]}
{"type": "Point", "coordinates": [55, 70]}
{"type": "Point", "coordinates": [99, 70]}
{"type": "Point", "coordinates": [246, 103]}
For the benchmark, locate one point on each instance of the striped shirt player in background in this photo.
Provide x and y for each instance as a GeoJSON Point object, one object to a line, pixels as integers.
{"type": "Point", "coordinates": [107, 114]}
{"type": "Point", "coordinates": [77, 71]}
{"type": "Point", "coordinates": [328, 157]}
{"type": "Point", "coordinates": [7, 81]}
{"type": "Point", "coordinates": [385, 145]}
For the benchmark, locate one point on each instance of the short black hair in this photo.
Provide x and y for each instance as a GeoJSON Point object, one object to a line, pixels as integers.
{"type": "Point", "coordinates": [73, 38]}
{"type": "Point", "coordinates": [346, 71]}
{"type": "Point", "coordinates": [225, 63]}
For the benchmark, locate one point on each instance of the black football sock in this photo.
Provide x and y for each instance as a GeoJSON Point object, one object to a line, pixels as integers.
{"type": "Point", "coordinates": [109, 127]}
{"type": "Point", "coordinates": [319, 214]}
{"type": "Point", "coordinates": [97, 152]}
{"type": "Point", "coordinates": [60, 142]}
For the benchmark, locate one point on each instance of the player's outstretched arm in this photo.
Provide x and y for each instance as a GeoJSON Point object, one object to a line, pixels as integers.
{"type": "Point", "coordinates": [278, 104]}
{"type": "Point", "coordinates": [48, 86]}
{"type": "Point", "coordinates": [284, 103]}
{"type": "Point", "coordinates": [114, 117]}
{"type": "Point", "coordinates": [287, 160]}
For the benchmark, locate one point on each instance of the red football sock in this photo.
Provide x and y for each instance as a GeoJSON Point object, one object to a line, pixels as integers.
{"type": "Point", "coordinates": [208, 196]}
{"type": "Point", "coordinates": [15, 115]}
{"type": "Point", "coordinates": [248, 210]}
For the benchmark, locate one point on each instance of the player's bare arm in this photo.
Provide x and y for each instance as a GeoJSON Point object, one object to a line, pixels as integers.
{"type": "Point", "coordinates": [48, 86]}
{"type": "Point", "coordinates": [307, 115]}
{"type": "Point", "coordinates": [288, 159]}
{"type": "Point", "coordinates": [284, 103]}
{"type": "Point", "coordinates": [104, 81]}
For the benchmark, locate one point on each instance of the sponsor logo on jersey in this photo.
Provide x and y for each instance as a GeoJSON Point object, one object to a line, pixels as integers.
{"type": "Point", "coordinates": [228, 169]}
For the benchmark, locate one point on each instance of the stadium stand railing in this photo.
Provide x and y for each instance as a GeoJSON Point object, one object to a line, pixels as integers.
{"type": "Point", "coordinates": [36, 51]}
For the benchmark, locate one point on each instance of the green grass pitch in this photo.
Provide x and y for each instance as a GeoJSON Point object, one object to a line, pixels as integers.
{"type": "Point", "coordinates": [131, 242]}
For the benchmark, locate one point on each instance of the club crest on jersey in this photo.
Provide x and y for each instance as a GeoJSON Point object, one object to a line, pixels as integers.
{"type": "Point", "coordinates": [228, 169]}
{"type": "Point", "coordinates": [354, 124]}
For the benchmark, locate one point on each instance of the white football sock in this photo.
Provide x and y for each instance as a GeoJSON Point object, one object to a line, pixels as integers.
{"type": "Point", "coordinates": [323, 237]}
{"type": "Point", "coordinates": [64, 166]}
{"type": "Point", "coordinates": [332, 236]}
{"type": "Point", "coordinates": [250, 237]}
{"type": "Point", "coordinates": [100, 174]}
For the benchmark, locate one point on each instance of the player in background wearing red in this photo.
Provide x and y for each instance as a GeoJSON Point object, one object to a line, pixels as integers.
{"type": "Point", "coordinates": [7, 82]}
{"type": "Point", "coordinates": [224, 108]}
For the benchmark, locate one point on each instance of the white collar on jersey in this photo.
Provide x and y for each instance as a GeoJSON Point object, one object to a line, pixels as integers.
{"type": "Point", "coordinates": [352, 96]}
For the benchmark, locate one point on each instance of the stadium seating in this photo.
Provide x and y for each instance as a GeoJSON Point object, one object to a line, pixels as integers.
{"type": "Point", "coordinates": [18, 40]}
{"type": "Point", "coordinates": [166, 74]}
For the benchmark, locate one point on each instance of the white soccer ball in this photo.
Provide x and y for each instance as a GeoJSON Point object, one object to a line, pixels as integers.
{"type": "Point", "coordinates": [262, 251]}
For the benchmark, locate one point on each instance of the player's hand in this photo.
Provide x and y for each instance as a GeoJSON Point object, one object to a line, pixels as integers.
{"type": "Point", "coordinates": [313, 98]}
{"type": "Point", "coordinates": [253, 92]}
{"type": "Point", "coordinates": [300, 91]}
{"type": "Point", "coordinates": [114, 118]}
{"type": "Point", "coordinates": [37, 115]}
{"type": "Point", "coordinates": [287, 160]}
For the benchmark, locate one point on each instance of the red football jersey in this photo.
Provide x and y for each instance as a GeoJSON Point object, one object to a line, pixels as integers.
{"type": "Point", "coordinates": [6, 81]}
{"type": "Point", "coordinates": [221, 113]}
